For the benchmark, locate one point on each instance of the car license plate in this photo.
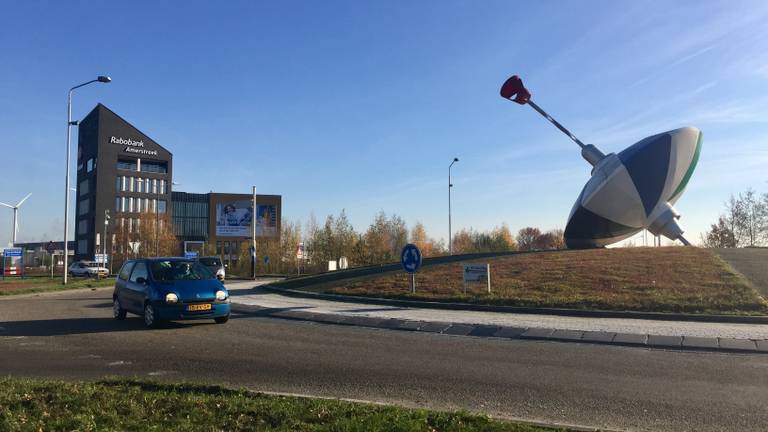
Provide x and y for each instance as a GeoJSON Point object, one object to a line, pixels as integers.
{"type": "Point", "coordinates": [198, 307]}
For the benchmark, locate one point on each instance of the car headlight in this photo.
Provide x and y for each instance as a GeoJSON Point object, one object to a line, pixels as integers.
{"type": "Point", "coordinates": [221, 295]}
{"type": "Point", "coordinates": [171, 298]}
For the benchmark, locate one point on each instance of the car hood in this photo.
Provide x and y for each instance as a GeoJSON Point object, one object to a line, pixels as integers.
{"type": "Point", "coordinates": [193, 289]}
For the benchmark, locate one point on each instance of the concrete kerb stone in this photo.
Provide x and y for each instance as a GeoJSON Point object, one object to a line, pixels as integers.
{"type": "Point", "coordinates": [737, 344]}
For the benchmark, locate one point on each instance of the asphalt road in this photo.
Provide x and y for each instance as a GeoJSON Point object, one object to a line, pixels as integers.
{"type": "Point", "coordinates": [71, 335]}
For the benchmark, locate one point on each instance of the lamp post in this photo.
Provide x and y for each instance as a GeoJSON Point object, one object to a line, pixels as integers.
{"type": "Point", "coordinates": [450, 185]}
{"type": "Point", "coordinates": [70, 123]}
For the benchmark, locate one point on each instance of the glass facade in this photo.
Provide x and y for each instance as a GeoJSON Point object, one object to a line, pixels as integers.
{"type": "Point", "coordinates": [190, 215]}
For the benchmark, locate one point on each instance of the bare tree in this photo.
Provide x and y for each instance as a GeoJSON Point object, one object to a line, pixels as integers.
{"type": "Point", "coordinates": [527, 238]}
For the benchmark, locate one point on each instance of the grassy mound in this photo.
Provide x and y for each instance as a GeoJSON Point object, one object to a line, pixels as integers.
{"type": "Point", "coordinates": [32, 405]}
{"type": "Point", "coordinates": [671, 279]}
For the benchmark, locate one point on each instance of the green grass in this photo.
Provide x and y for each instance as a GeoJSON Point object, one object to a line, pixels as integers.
{"type": "Point", "coordinates": [671, 279]}
{"type": "Point", "coordinates": [14, 285]}
{"type": "Point", "coordinates": [127, 405]}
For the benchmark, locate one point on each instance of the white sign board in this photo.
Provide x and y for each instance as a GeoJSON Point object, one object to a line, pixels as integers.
{"type": "Point", "coordinates": [331, 265]}
{"type": "Point", "coordinates": [343, 263]}
{"type": "Point", "coordinates": [100, 258]}
{"type": "Point", "coordinates": [477, 273]}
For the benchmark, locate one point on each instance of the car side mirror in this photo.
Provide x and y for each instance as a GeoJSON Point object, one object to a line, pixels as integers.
{"type": "Point", "coordinates": [141, 281]}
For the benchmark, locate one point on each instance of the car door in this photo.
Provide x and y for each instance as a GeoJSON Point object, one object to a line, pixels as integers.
{"type": "Point", "coordinates": [121, 286]}
{"type": "Point", "coordinates": [137, 286]}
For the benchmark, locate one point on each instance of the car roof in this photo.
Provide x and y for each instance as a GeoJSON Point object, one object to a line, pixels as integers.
{"type": "Point", "coordinates": [157, 259]}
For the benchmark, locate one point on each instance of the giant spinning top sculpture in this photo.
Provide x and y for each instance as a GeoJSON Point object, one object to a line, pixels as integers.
{"type": "Point", "coordinates": [629, 191]}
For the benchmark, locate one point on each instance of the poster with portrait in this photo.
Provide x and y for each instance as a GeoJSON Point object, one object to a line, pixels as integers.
{"type": "Point", "coordinates": [233, 219]}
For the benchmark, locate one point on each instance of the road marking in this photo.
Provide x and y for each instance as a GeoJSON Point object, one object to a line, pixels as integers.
{"type": "Point", "coordinates": [161, 373]}
{"type": "Point", "coordinates": [30, 343]}
{"type": "Point", "coordinates": [89, 356]}
{"type": "Point", "coordinates": [119, 363]}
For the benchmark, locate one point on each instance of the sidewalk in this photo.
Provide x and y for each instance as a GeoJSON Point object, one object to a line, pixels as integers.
{"type": "Point", "coordinates": [663, 334]}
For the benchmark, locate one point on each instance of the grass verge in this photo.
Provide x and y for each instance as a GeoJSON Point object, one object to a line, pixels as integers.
{"type": "Point", "coordinates": [672, 279]}
{"type": "Point", "coordinates": [32, 405]}
{"type": "Point", "coordinates": [12, 286]}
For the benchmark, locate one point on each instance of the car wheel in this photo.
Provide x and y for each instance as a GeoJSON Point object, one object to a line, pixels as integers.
{"type": "Point", "coordinates": [118, 312]}
{"type": "Point", "coordinates": [150, 316]}
{"type": "Point", "coordinates": [221, 320]}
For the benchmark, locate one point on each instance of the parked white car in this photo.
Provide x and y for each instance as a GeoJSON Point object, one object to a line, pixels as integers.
{"type": "Point", "coordinates": [87, 268]}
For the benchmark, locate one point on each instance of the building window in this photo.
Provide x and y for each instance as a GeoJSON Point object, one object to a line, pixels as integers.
{"type": "Point", "coordinates": [162, 187]}
{"type": "Point", "coordinates": [161, 206]}
{"type": "Point", "coordinates": [82, 227]}
{"type": "Point", "coordinates": [83, 187]}
{"type": "Point", "coordinates": [130, 204]}
{"type": "Point", "coordinates": [127, 164]}
{"type": "Point", "coordinates": [137, 224]}
{"type": "Point", "coordinates": [130, 225]}
{"type": "Point", "coordinates": [85, 207]}
{"type": "Point", "coordinates": [156, 167]}
{"type": "Point", "coordinates": [118, 184]}
{"type": "Point", "coordinates": [90, 165]}
{"type": "Point", "coordinates": [80, 166]}
{"type": "Point", "coordinates": [82, 246]}
{"type": "Point", "coordinates": [130, 184]}
{"type": "Point", "coordinates": [139, 205]}
{"type": "Point", "coordinates": [146, 205]}
{"type": "Point", "coordinates": [117, 204]}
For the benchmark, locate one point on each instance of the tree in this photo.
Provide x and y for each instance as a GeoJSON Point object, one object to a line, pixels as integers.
{"type": "Point", "coordinates": [502, 239]}
{"type": "Point", "coordinates": [552, 239]}
{"type": "Point", "coordinates": [428, 246]}
{"type": "Point", "coordinates": [527, 238]}
{"type": "Point", "coordinates": [720, 235]}
{"type": "Point", "coordinates": [462, 242]}
{"type": "Point", "coordinates": [154, 234]}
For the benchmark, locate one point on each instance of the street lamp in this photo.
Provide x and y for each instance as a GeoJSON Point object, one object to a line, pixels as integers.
{"type": "Point", "coordinates": [70, 123]}
{"type": "Point", "coordinates": [450, 185]}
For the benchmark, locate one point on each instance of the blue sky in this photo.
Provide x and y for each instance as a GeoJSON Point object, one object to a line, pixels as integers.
{"type": "Point", "coordinates": [362, 105]}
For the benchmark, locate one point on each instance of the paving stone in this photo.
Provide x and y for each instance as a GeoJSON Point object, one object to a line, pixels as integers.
{"type": "Point", "coordinates": [484, 331]}
{"type": "Point", "coordinates": [630, 338]}
{"type": "Point", "coordinates": [738, 344]}
{"type": "Point", "coordinates": [665, 341]}
{"type": "Point", "coordinates": [435, 327]}
{"type": "Point", "coordinates": [762, 345]}
{"type": "Point", "coordinates": [598, 336]}
{"type": "Point", "coordinates": [412, 325]}
{"type": "Point", "coordinates": [289, 314]}
{"type": "Point", "coordinates": [537, 333]}
{"type": "Point", "coordinates": [700, 342]}
{"type": "Point", "coordinates": [571, 335]}
{"type": "Point", "coordinates": [459, 329]}
{"type": "Point", "coordinates": [328, 318]}
{"type": "Point", "coordinates": [509, 332]}
{"type": "Point", "coordinates": [390, 323]}
{"type": "Point", "coordinates": [362, 321]}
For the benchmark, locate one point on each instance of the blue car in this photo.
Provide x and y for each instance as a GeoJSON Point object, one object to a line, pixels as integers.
{"type": "Point", "coordinates": [165, 289]}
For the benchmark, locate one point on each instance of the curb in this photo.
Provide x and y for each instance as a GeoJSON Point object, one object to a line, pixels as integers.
{"type": "Point", "coordinates": [660, 316]}
{"type": "Point", "coordinates": [678, 343]}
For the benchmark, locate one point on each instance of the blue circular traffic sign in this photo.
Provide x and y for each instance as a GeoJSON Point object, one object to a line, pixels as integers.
{"type": "Point", "coordinates": [410, 258]}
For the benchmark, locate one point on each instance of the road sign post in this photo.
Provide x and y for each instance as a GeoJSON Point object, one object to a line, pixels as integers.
{"type": "Point", "coordinates": [411, 260]}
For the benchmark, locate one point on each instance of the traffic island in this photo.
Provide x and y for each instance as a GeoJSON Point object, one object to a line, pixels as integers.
{"type": "Point", "coordinates": [655, 280]}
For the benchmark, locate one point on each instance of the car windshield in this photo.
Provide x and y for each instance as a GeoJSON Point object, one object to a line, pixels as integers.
{"type": "Point", "coordinates": [175, 270]}
{"type": "Point", "coordinates": [211, 262]}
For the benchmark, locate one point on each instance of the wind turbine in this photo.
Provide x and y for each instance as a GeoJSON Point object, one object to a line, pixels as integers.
{"type": "Point", "coordinates": [15, 211]}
